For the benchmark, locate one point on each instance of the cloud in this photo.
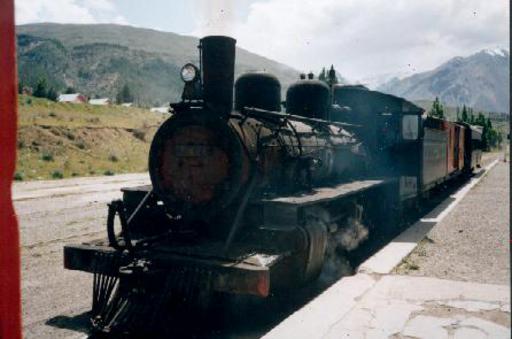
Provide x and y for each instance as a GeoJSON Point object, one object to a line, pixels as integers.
{"type": "Point", "coordinates": [67, 11]}
{"type": "Point", "coordinates": [215, 17]}
{"type": "Point", "coordinates": [369, 37]}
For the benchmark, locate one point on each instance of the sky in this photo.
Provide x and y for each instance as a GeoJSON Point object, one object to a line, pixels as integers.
{"type": "Point", "coordinates": [364, 39]}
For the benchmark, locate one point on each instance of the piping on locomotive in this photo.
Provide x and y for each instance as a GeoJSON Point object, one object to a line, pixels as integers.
{"type": "Point", "coordinates": [249, 199]}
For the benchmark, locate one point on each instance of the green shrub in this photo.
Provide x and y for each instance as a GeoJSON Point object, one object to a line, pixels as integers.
{"type": "Point", "coordinates": [113, 158]}
{"type": "Point", "coordinates": [18, 176]}
{"type": "Point", "coordinates": [74, 174]}
{"type": "Point", "coordinates": [28, 101]}
{"type": "Point", "coordinates": [80, 145]}
{"type": "Point", "coordinates": [108, 172]}
{"type": "Point", "coordinates": [47, 157]}
{"type": "Point", "coordinates": [57, 174]}
{"type": "Point", "coordinates": [52, 114]}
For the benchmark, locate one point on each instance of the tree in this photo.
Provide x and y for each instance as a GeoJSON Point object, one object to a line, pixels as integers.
{"type": "Point", "coordinates": [124, 95]}
{"type": "Point", "coordinates": [480, 120]}
{"type": "Point", "coordinates": [41, 90]}
{"type": "Point", "coordinates": [437, 110]}
{"type": "Point", "coordinates": [70, 90]}
{"type": "Point", "coordinates": [329, 77]}
{"type": "Point", "coordinates": [332, 78]}
{"type": "Point", "coordinates": [52, 94]}
{"type": "Point", "coordinates": [322, 76]}
{"type": "Point", "coordinates": [471, 117]}
{"type": "Point", "coordinates": [464, 117]}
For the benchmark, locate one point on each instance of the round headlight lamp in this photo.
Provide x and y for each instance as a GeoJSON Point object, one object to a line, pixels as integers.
{"type": "Point", "coordinates": [189, 73]}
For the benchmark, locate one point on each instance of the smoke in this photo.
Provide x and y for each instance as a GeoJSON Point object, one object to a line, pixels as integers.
{"type": "Point", "coordinates": [346, 239]}
{"type": "Point", "coordinates": [217, 17]}
{"type": "Point", "coordinates": [352, 235]}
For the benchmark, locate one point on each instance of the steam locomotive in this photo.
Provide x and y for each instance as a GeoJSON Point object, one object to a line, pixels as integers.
{"type": "Point", "coordinates": [250, 199]}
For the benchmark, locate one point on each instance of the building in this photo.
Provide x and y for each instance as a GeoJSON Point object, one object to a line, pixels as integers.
{"type": "Point", "coordinates": [100, 101]}
{"type": "Point", "coordinates": [75, 98]}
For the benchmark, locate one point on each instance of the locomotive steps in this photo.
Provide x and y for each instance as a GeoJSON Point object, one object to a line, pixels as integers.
{"type": "Point", "coordinates": [376, 302]}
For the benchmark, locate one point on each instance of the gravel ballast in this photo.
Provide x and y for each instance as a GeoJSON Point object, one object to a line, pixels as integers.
{"type": "Point", "coordinates": [472, 242]}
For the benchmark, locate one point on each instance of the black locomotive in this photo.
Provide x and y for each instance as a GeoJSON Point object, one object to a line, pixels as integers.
{"type": "Point", "coordinates": [249, 200]}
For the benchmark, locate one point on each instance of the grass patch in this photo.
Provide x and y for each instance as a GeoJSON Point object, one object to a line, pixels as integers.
{"type": "Point", "coordinates": [47, 157]}
{"type": "Point", "coordinates": [113, 158]}
{"type": "Point", "coordinates": [57, 175]}
{"type": "Point", "coordinates": [408, 265]}
{"type": "Point", "coordinates": [18, 176]}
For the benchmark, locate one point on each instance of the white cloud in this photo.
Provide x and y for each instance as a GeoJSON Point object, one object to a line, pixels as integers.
{"type": "Point", "coordinates": [215, 17]}
{"type": "Point", "coordinates": [368, 37]}
{"type": "Point", "coordinates": [67, 11]}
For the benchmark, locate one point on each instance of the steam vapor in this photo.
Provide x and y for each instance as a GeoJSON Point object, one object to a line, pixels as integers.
{"type": "Point", "coordinates": [347, 239]}
{"type": "Point", "coordinates": [217, 17]}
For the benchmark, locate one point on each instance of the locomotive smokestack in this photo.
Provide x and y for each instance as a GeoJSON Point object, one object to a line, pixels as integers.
{"type": "Point", "coordinates": [218, 70]}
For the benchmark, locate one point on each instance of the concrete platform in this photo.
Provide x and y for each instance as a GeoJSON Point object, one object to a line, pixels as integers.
{"type": "Point", "coordinates": [363, 306]}
{"type": "Point", "coordinates": [374, 303]}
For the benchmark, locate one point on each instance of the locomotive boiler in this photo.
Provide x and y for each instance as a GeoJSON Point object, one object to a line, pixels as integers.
{"type": "Point", "coordinates": [207, 156]}
{"type": "Point", "coordinates": [247, 199]}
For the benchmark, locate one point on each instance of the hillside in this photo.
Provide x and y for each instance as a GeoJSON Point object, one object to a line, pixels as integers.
{"type": "Point", "coordinates": [480, 80]}
{"type": "Point", "coordinates": [100, 59]}
{"type": "Point", "coordinates": [63, 140]}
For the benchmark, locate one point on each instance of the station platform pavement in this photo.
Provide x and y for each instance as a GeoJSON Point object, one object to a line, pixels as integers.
{"type": "Point", "coordinates": [456, 288]}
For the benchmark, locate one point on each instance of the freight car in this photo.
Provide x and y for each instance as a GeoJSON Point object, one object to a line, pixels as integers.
{"type": "Point", "coordinates": [251, 200]}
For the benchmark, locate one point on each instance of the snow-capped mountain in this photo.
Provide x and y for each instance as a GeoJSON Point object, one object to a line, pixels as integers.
{"type": "Point", "coordinates": [480, 80]}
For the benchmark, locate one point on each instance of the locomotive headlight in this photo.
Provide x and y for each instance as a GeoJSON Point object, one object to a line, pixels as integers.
{"type": "Point", "coordinates": [189, 73]}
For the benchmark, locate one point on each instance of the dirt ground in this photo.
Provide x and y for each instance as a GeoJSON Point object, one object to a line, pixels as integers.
{"type": "Point", "coordinates": [52, 214]}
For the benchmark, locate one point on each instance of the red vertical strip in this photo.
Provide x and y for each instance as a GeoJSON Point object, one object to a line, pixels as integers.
{"type": "Point", "coordinates": [10, 309]}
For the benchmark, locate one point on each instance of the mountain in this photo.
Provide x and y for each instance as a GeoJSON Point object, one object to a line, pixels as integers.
{"type": "Point", "coordinates": [376, 80]}
{"type": "Point", "coordinates": [99, 59]}
{"type": "Point", "coordinates": [480, 80]}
